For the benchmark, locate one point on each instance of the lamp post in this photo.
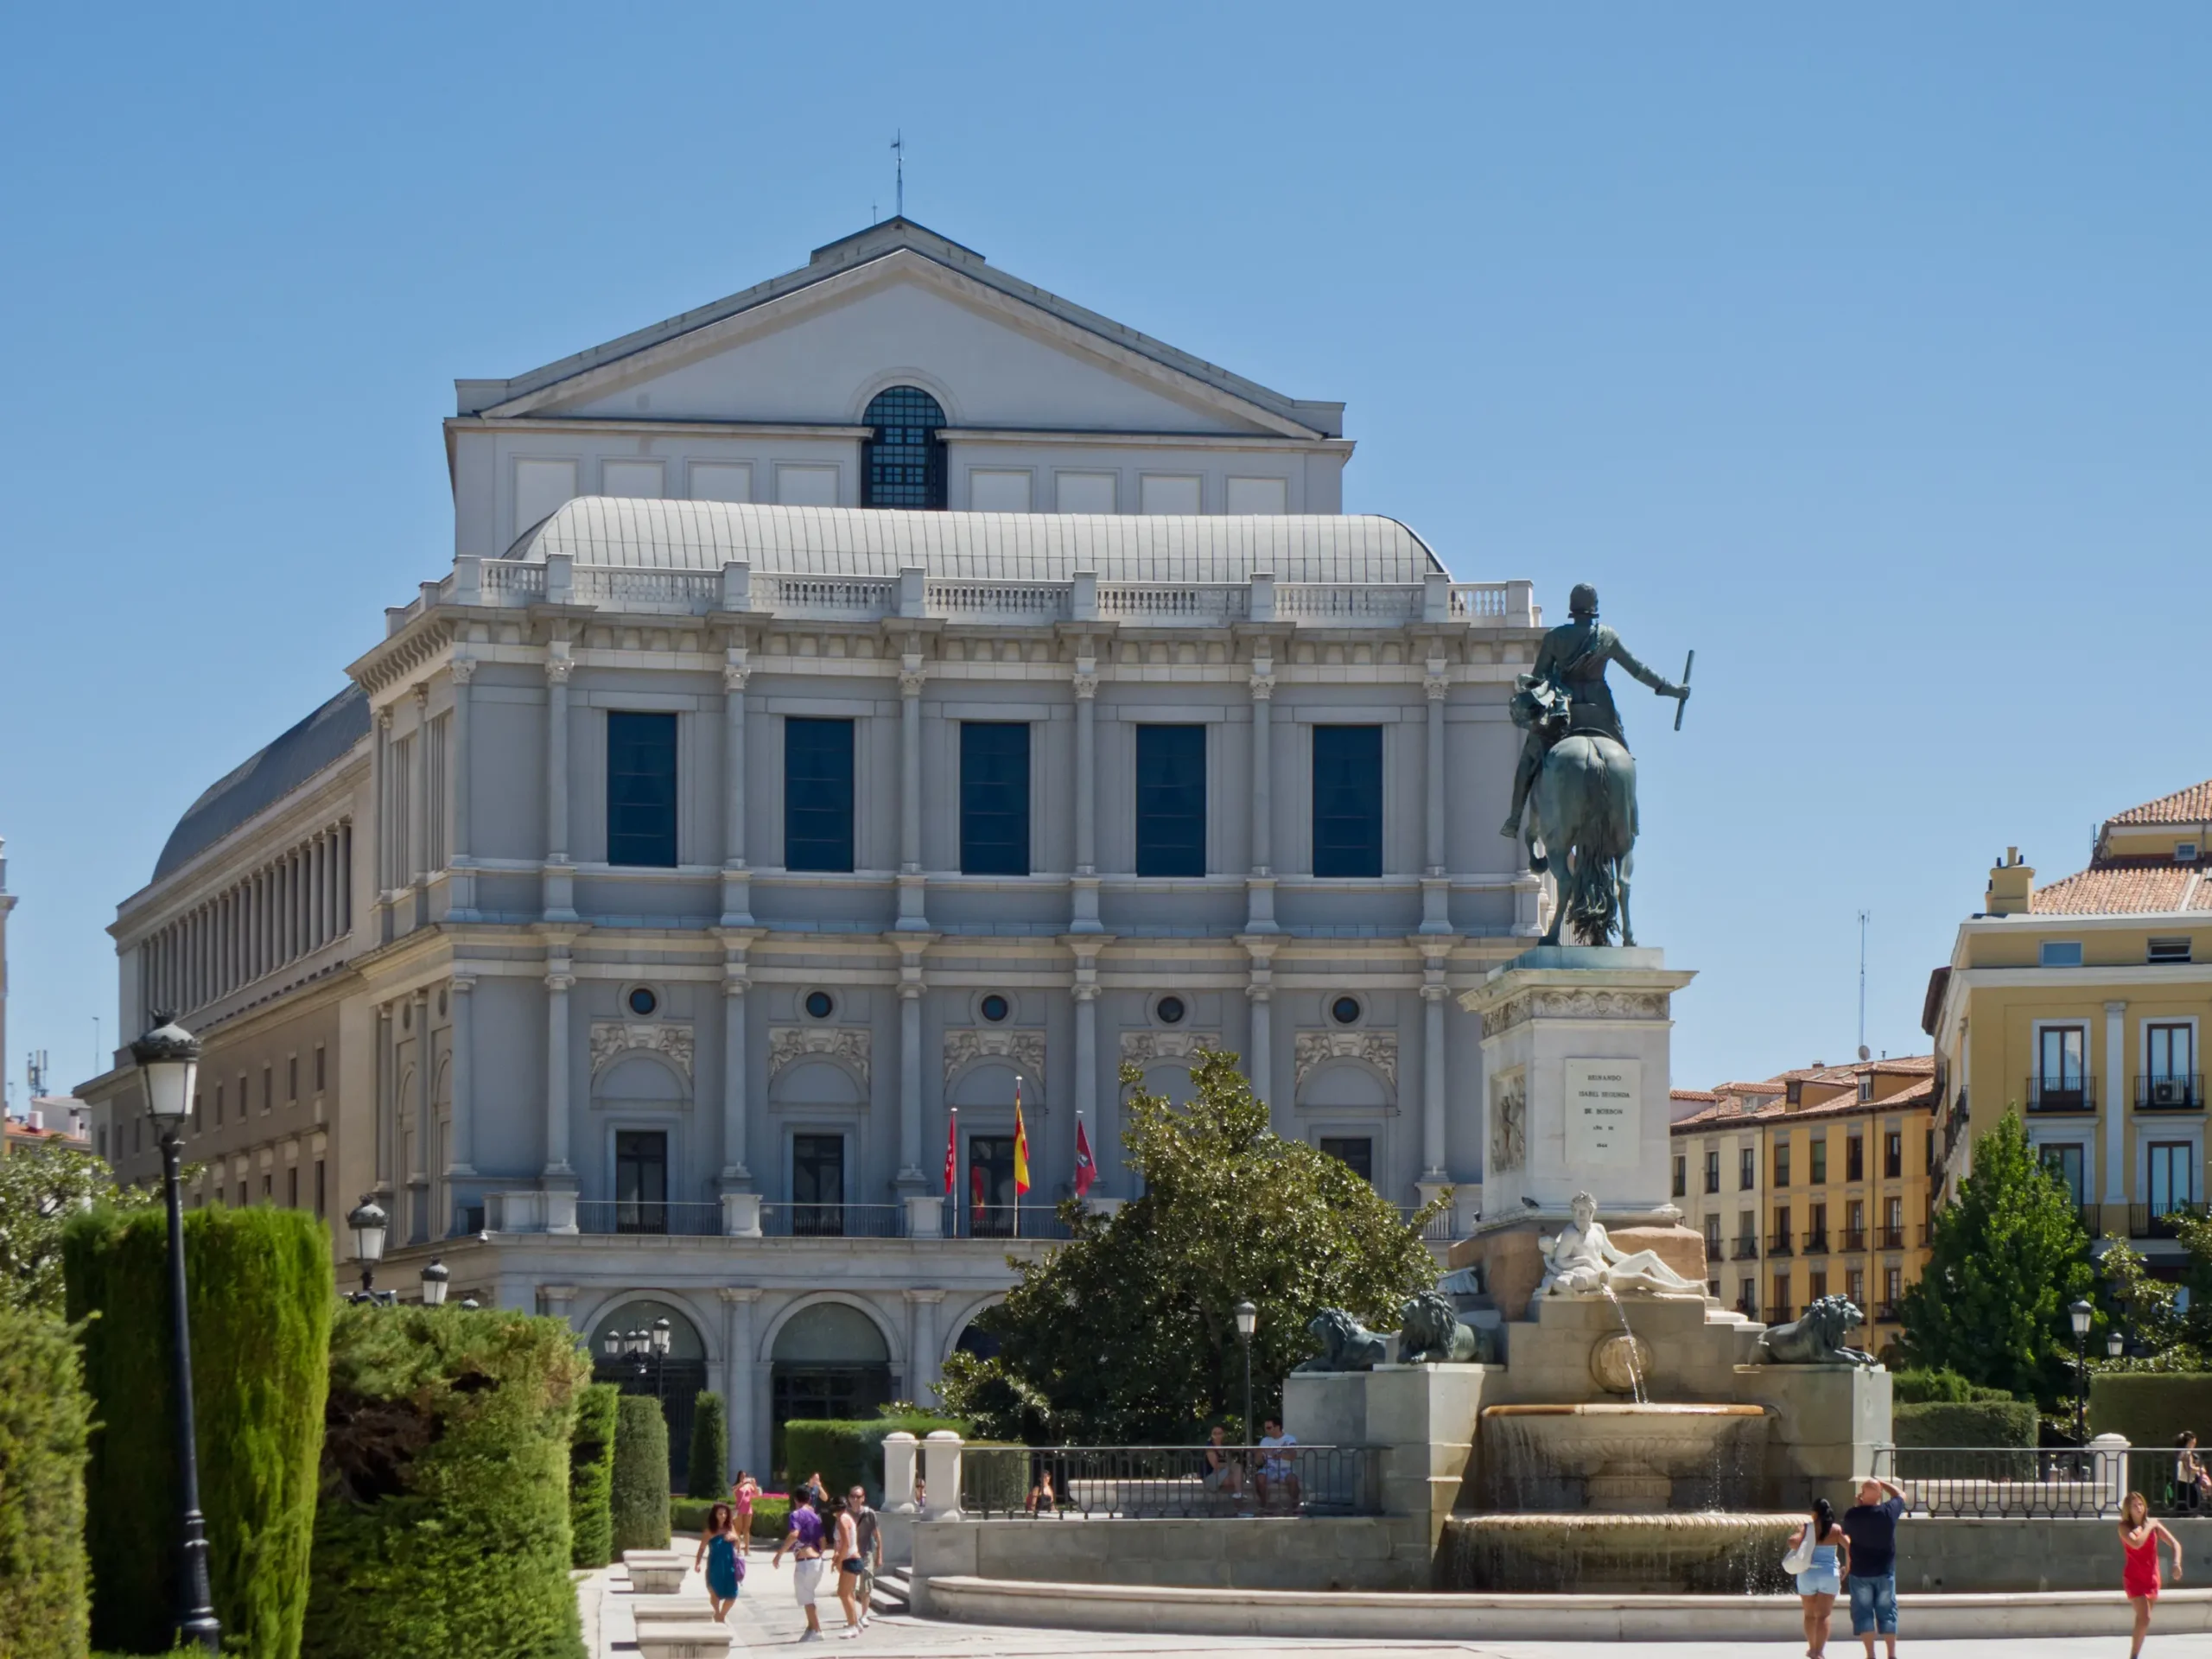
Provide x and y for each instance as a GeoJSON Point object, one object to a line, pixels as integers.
{"type": "Point", "coordinates": [663, 1339]}
{"type": "Point", "coordinates": [2116, 1345]}
{"type": "Point", "coordinates": [370, 1226]}
{"type": "Point", "coordinates": [168, 1059]}
{"type": "Point", "coordinates": [2081, 1313]}
{"type": "Point", "coordinates": [1248, 1321]}
{"type": "Point", "coordinates": [435, 1278]}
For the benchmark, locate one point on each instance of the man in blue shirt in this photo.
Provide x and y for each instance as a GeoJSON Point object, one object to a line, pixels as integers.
{"type": "Point", "coordinates": [1872, 1525]}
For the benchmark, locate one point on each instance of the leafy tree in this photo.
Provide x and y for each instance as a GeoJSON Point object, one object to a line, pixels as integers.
{"type": "Point", "coordinates": [1126, 1334]}
{"type": "Point", "coordinates": [39, 1191]}
{"type": "Point", "coordinates": [2005, 1261]}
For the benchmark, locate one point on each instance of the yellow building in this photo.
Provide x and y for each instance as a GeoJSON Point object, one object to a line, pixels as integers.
{"type": "Point", "coordinates": [1811, 1184]}
{"type": "Point", "coordinates": [2081, 1005]}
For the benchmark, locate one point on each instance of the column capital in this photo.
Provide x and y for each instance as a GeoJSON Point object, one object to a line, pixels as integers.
{"type": "Point", "coordinates": [734, 1294]}
{"type": "Point", "coordinates": [1435, 993]}
{"type": "Point", "coordinates": [736, 982]}
{"type": "Point", "coordinates": [1436, 686]}
{"type": "Point", "coordinates": [734, 675]}
{"type": "Point", "coordinates": [558, 670]}
{"type": "Point", "coordinates": [462, 983]}
{"type": "Point", "coordinates": [384, 718]}
{"type": "Point", "coordinates": [1087, 992]}
{"type": "Point", "coordinates": [1263, 686]}
{"type": "Point", "coordinates": [1086, 686]}
{"type": "Point", "coordinates": [421, 692]}
{"type": "Point", "coordinates": [929, 1297]}
{"type": "Point", "coordinates": [911, 988]}
{"type": "Point", "coordinates": [560, 981]}
{"type": "Point", "coordinates": [911, 680]}
{"type": "Point", "coordinates": [463, 669]}
{"type": "Point", "coordinates": [2116, 1008]}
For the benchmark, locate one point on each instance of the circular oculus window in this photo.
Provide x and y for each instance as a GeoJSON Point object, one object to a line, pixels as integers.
{"type": "Point", "coordinates": [1345, 1010]}
{"type": "Point", "coordinates": [995, 1008]}
{"type": "Point", "coordinates": [1170, 1010]}
{"type": "Point", "coordinates": [819, 1005]}
{"type": "Point", "coordinates": [642, 1000]}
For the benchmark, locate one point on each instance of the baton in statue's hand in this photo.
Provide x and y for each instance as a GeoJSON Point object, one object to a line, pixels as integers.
{"type": "Point", "coordinates": [1682, 698]}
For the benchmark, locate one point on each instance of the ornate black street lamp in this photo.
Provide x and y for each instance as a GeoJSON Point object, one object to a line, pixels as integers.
{"type": "Point", "coordinates": [435, 1278]}
{"type": "Point", "coordinates": [1248, 1321]}
{"type": "Point", "coordinates": [2081, 1313]}
{"type": "Point", "coordinates": [371, 1226]}
{"type": "Point", "coordinates": [168, 1059]}
{"type": "Point", "coordinates": [663, 1339]}
{"type": "Point", "coordinates": [2116, 1345]}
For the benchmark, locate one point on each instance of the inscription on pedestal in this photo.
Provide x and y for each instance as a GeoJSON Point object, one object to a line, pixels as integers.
{"type": "Point", "coordinates": [1603, 1113]}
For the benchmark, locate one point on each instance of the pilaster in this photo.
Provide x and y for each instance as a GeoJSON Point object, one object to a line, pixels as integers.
{"type": "Point", "coordinates": [737, 880]}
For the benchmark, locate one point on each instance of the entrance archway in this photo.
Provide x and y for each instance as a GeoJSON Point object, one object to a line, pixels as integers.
{"type": "Point", "coordinates": [675, 1381]}
{"type": "Point", "coordinates": [829, 1361]}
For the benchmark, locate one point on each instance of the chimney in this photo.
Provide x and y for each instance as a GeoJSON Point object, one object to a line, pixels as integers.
{"type": "Point", "coordinates": [2012, 884]}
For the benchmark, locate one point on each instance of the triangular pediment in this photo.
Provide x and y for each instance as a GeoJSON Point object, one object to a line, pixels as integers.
{"type": "Point", "coordinates": [813, 347]}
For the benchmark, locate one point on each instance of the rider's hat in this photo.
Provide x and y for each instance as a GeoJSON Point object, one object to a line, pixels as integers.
{"type": "Point", "coordinates": [1583, 602]}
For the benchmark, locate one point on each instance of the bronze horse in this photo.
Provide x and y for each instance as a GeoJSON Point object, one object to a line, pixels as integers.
{"type": "Point", "coordinates": [1581, 822]}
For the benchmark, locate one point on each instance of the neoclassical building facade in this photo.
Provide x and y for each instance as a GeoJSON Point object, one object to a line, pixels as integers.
{"type": "Point", "coordinates": [845, 701]}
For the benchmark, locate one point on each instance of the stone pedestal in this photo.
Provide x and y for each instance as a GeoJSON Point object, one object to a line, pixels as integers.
{"type": "Point", "coordinates": [1418, 1421]}
{"type": "Point", "coordinates": [1827, 1420]}
{"type": "Point", "coordinates": [1576, 1074]}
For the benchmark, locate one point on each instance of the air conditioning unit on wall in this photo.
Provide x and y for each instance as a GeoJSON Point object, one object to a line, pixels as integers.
{"type": "Point", "coordinates": [2168, 1092]}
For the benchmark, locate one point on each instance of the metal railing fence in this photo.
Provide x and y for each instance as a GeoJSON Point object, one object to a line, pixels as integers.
{"type": "Point", "coordinates": [1167, 1482]}
{"type": "Point", "coordinates": [653, 1216]}
{"type": "Point", "coordinates": [833, 1220]}
{"type": "Point", "coordinates": [2077, 1482]}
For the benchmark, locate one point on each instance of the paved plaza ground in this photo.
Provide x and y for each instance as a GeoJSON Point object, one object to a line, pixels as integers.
{"type": "Point", "coordinates": [765, 1617]}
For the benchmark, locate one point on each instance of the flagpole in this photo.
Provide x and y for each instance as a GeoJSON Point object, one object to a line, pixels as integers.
{"type": "Point", "coordinates": [1017, 1152]}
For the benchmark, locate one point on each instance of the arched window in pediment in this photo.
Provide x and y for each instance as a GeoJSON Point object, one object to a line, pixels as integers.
{"type": "Point", "coordinates": [903, 465]}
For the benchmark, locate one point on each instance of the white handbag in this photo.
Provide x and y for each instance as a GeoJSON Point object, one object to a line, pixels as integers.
{"type": "Point", "coordinates": [1799, 1559]}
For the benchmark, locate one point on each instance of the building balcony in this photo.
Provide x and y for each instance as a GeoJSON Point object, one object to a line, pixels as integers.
{"type": "Point", "coordinates": [2157, 1221]}
{"type": "Point", "coordinates": [1780, 1244]}
{"type": "Point", "coordinates": [2061, 1094]}
{"type": "Point", "coordinates": [1854, 1238]}
{"type": "Point", "coordinates": [1816, 1243]}
{"type": "Point", "coordinates": [655, 1216]}
{"type": "Point", "coordinates": [1885, 1313]}
{"type": "Point", "coordinates": [1893, 1238]}
{"type": "Point", "coordinates": [2170, 1094]}
{"type": "Point", "coordinates": [1781, 1314]}
{"type": "Point", "coordinates": [1747, 1248]}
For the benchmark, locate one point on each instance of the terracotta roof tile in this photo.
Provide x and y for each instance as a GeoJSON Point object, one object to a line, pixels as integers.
{"type": "Point", "coordinates": [2190, 805]}
{"type": "Point", "coordinates": [1692, 1094]}
{"type": "Point", "coordinates": [2114, 891]}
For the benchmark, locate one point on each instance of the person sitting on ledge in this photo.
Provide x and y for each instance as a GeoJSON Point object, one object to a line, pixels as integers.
{"type": "Point", "coordinates": [1581, 1258]}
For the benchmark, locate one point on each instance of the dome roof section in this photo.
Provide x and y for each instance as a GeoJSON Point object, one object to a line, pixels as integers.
{"type": "Point", "coordinates": [260, 782]}
{"type": "Point", "coordinates": [661, 534]}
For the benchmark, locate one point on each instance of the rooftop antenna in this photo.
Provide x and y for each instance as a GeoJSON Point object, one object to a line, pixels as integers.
{"type": "Point", "coordinates": [1864, 1051]}
{"type": "Point", "coordinates": [99, 1064]}
{"type": "Point", "coordinates": [898, 157]}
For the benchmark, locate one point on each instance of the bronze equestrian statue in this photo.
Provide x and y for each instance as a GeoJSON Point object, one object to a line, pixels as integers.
{"type": "Point", "coordinates": [1575, 789]}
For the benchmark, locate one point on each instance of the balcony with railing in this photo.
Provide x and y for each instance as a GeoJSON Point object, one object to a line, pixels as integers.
{"type": "Point", "coordinates": [1854, 1238]}
{"type": "Point", "coordinates": [1885, 1313]}
{"type": "Point", "coordinates": [2061, 1094]}
{"type": "Point", "coordinates": [1747, 1247]}
{"type": "Point", "coordinates": [2157, 1220]}
{"type": "Point", "coordinates": [833, 1220]}
{"type": "Point", "coordinates": [1893, 1238]}
{"type": "Point", "coordinates": [602, 1217]}
{"type": "Point", "coordinates": [1816, 1242]}
{"type": "Point", "coordinates": [2176, 1093]}
{"type": "Point", "coordinates": [1780, 1244]}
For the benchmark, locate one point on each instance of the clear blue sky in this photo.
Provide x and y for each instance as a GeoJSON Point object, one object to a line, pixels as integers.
{"type": "Point", "coordinates": [1864, 351]}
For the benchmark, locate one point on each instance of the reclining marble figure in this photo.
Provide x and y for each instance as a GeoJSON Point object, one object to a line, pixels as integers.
{"type": "Point", "coordinates": [1581, 1260]}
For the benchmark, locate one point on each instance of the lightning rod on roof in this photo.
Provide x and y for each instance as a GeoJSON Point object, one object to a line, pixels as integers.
{"type": "Point", "coordinates": [1864, 1051]}
{"type": "Point", "coordinates": [898, 160]}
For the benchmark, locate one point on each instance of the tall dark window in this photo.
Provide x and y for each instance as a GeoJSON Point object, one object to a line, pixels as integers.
{"type": "Point", "coordinates": [991, 1197]}
{"type": "Point", "coordinates": [1347, 800]}
{"type": "Point", "coordinates": [1355, 1153]}
{"type": "Point", "coordinates": [641, 789]}
{"type": "Point", "coordinates": [994, 797]}
{"type": "Point", "coordinates": [819, 794]}
{"type": "Point", "coordinates": [903, 465]}
{"type": "Point", "coordinates": [640, 1181]}
{"type": "Point", "coordinates": [818, 1185]}
{"type": "Point", "coordinates": [1170, 800]}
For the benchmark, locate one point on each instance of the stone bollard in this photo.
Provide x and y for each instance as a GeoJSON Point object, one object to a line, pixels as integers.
{"type": "Point", "coordinates": [941, 1472]}
{"type": "Point", "coordinates": [899, 1449]}
{"type": "Point", "coordinates": [2108, 1471]}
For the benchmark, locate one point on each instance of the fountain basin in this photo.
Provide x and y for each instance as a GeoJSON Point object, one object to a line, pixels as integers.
{"type": "Point", "coordinates": [1702, 1553]}
{"type": "Point", "coordinates": [1619, 1458]}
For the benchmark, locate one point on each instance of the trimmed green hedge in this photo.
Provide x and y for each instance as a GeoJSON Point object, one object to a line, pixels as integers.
{"type": "Point", "coordinates": [769, 1515]}
{"type": "Point", "coordinates": [1978, 1422]}
{"type": "Point", "coordinates": [591, 1477]}
{"type": "Point", "coordinates": [640, 1475]}
{"type": "Point", "coordinates": [2150, 1407]}
{"type": "Point", "coordinates": [1923, 1387]}
{"type": "Point", "coordinates": [707, 1463]}
{"type": "Point", "coordinates": [45, 1422]}
{"type": "Point", "coordinates": [849, 1452]}
{"type": "Point", "coordinates": [443, 1527]}
{"type": "Point", "coordinates": [259, 1300]}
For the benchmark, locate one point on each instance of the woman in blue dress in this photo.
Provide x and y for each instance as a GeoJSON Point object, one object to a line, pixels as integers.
{"type": "Point", "coordinates": [718, 1550]}
{"type": "Point", "coordinates": [1819, 1584]}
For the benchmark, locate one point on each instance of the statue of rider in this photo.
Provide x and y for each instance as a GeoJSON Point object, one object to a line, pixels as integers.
{"type": "Point", "coordinates": [1571, 662]}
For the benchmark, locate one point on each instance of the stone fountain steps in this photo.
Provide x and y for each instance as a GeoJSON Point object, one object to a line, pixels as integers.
{"type": "Point", "coordinates": [1351, 1616]}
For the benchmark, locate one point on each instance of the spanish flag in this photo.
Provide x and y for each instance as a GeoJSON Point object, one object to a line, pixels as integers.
{"type": "Point", "coordinates": [1021, 1146]}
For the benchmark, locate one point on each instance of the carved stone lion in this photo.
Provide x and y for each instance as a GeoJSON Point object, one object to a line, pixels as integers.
{"type": "Point", "coordinates": [1817, 1337]}
{"type": "Point", "coordinates": [1430, 1331]}
{"type": "Point", "coordinates": [1346, 1344]}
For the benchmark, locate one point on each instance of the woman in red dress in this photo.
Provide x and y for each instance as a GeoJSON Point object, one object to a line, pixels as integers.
{"type": "Point", "coordinates": [2138, 1543]}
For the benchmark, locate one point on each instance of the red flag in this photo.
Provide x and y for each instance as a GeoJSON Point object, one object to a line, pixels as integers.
{"type": "Point", "coordinates": [1086, 1171]}
{"type": "Point", "coordinates": [976, 1186]}
{"type": "Point", "coordinates": [1021, 1146]}
{"type": "Point", "coordinates": [952, 1146]}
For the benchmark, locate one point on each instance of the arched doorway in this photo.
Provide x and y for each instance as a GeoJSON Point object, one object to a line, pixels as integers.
{"type": "Point", "coordinates": [829, 1361]}
{"type": "Point", "coordinates": [676, 1381]}
{"type": "Point", "coordinates": [903, 464]}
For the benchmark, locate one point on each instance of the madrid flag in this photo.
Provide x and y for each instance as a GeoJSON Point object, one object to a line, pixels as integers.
{"type": "Point", "coordinates": [951, 1149]}
{"type": "Point", "coordinates": [1086, 1169]}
